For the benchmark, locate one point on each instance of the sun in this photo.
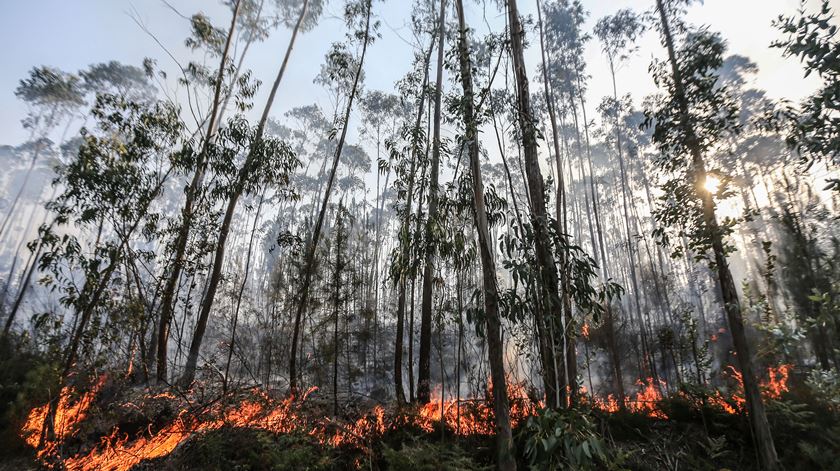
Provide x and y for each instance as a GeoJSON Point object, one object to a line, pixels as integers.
{"type": "Point", "coordinates": [711, 184]}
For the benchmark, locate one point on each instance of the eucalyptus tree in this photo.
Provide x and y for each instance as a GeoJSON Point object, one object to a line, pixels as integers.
{"type": "Point", "coordinates": [566, 69]}
{"type": "Point", "coordinates": [113, 78]}
{"type": "Point", "coordinates": [550, 306]}
{"type": "Point", "coordinates": [117, 175]}
{"type": "Point", "coordinates": [760, 152]}
{"type": "Point", "coordinates": [689, 120]}
{"type": "Point", "coordinates": [617, 34]}
{"type": "Point", "coordinates": [52, 96]}
{"type": "Point", "coordinates": [424, 358]}
{"type": "Point", "coordinates": [406, 162]}
{"type": "Point", "coordinates": [116, 78]}
{"type": "Point", "coordinates": [492, 318]}
{"type": "Point", "coordinates": [192, 191]}
{"type": "Point", "coordinates": [549, 363]}
{"type": "Point", "coordinates": [357, 16]}
{"type": "Point", "coordinates": [338, 268]}
{"type": "Point", "coordinates": [380, 114]}
{"type": "Point", "coordinates": [268, 161]}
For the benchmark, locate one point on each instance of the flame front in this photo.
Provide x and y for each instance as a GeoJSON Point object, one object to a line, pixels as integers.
{"type": "Point", "coordinates": [119, 452]}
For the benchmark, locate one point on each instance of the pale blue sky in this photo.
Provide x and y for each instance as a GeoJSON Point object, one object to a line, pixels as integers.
{"type": "Point", "coordinates": [71, 34]}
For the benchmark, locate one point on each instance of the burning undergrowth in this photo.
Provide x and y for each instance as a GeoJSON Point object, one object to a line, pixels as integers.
{"type": "Point", "coordinates": [109, 427]}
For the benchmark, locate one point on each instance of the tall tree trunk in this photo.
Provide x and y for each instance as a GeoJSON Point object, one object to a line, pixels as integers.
{"type": "Point", "coordinates": [336, 307]}
{"type": "Point", "coordinates": [192, 193]}
{"type": "Point", "coordinates": [224, 230]}
{"type": "Point", "coordinates": [548, 283]}
{"type": "Point", "coordinates": [755, 407]}
{"type": "Point", "coordinates": [310, 255]}
{"type": "Point", "coordinates": [553, 390]}
{"type": "Point", "coordinates": [404, 238]}
{"type": "Point", "coordinates": [424, 365]}
{"type": "Point", "coordinates": [504, 441]}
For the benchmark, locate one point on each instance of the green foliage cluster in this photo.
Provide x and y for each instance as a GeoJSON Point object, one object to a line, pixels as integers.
{"type": "Point", "coordinates": [558, 439]}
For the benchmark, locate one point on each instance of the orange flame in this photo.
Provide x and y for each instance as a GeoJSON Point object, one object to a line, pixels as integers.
{"type": "Point", "coordinates": [772, 388]}
{"type": "Point", "coordinates": [119, 452]}
{"type": "Point", "coordinates": [475, 416]}
{"type": "Point", "coordinates": [645, 401]}
{"type": "Point", "coordinates": [68, 415]}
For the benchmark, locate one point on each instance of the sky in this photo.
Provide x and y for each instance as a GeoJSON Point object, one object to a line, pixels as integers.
{"type": "Point", "coordinates": [73, 34]}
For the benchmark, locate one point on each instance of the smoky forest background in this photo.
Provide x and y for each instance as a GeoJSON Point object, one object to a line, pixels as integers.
{"type": "Point", "coordinates": [421, 234]}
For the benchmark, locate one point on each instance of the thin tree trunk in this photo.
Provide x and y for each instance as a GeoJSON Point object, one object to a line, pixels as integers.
{"type": "Point", "coordinates": [405, 242]}
{"type": "Point", "coordinates": [547, 273]}
{"type": "Point", "coordinates": [8, 218]}
{"type": "Point", "coordinates": [22, 290]}
{"type": "Point", "coordinates": [553, 390]}
{"type": "Point", "coordinates": [241, 292]}
{"type": "Point", "coordinates": [87, 302]}
{"type": "Point", "coordinates": [424, 366]}
{"type": "Point", "coordinates": [336, 307]}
